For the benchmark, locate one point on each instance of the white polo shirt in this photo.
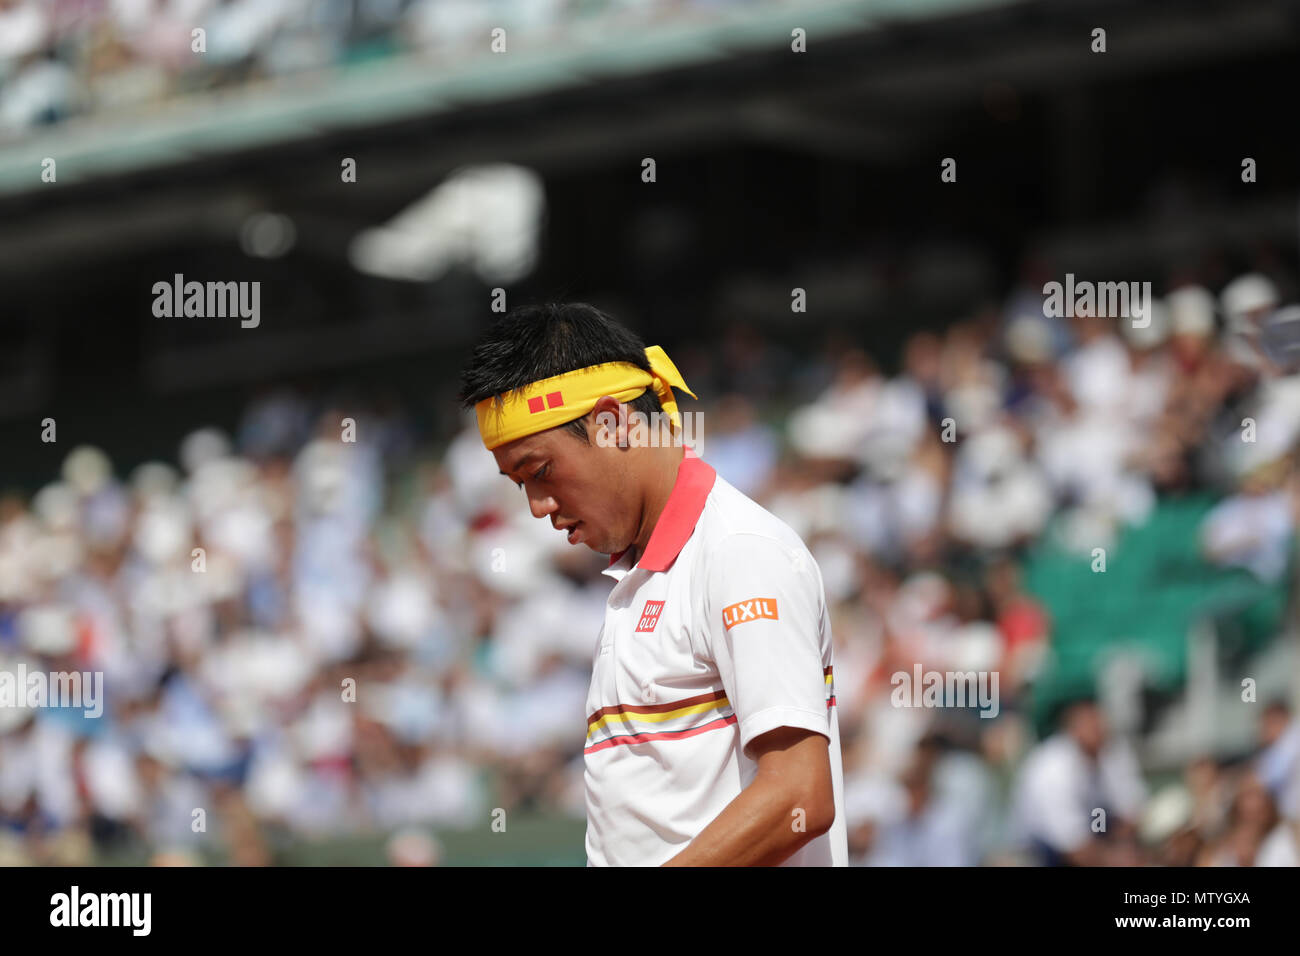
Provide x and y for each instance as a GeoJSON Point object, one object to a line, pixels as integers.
{"type": "Point", "coordinates": [719, 634]}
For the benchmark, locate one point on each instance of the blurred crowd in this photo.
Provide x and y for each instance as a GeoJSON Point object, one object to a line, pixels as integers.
{"type": "Point", "coordinates": [314, 627]}
{"type": "Point", "coordinates": [60, 58]}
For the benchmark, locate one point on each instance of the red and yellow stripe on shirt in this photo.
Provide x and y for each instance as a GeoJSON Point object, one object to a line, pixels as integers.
{"type": "Point", "coordinates": [675, 720]}
{"type": "Point", "coordinates": [642, 723]}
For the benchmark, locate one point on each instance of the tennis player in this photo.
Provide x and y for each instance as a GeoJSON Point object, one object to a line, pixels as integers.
{"type": "Point", "coordinates": [712, 735]}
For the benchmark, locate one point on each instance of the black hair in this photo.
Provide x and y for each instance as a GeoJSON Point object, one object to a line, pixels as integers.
{"type": "Point", "coordinates": [1075, 697]}
{"type": "Point", "coordinates": [533, 342]}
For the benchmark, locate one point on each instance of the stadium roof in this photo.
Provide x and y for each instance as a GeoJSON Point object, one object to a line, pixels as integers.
{"type": "Point", "coordinates": [410, 86]}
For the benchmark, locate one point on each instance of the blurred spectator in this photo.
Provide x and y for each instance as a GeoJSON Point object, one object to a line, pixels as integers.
{"type": "Point", "coordinates": [1278, 764]}
{"type": "Point", "coordinates": [1254, 528]}
{"type": "Point", "coordinates": [1079, 793]}
{"type": "Point", "coordinates": [927, 826]}
{"type": "Point", "coordinates": [1246, 302]}
{"type": "Point", "coordinates": [1252, 817]}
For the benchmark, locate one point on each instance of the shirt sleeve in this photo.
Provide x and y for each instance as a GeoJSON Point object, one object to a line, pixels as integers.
{"type": "Point", "coordinates": [764, 604]}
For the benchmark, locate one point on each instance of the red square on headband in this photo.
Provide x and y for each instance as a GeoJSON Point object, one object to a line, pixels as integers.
{"type": "Point", "coordinates": [554, 399]}
{"type": "Point", "coordinates": [535, 405]}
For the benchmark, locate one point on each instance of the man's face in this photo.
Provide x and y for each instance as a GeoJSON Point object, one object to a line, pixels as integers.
{"type": "Point", "coordinates": [572, 483]}
{"type": "Point", "coordinates": [1087, 725]}
{"type": "Point", "coordinates": [1273, 725]}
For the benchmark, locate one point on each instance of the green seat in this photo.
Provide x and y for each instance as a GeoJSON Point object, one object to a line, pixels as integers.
{"type": "Point", "coordinates": [1155, 588]}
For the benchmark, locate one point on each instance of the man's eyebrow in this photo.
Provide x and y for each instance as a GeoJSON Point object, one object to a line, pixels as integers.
{"type": "Point", "coordinates": [520, 463]}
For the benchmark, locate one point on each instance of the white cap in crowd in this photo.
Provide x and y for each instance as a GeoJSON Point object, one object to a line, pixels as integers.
{"type": "Point", "coordinates": [1150, 333]}
{"type": "Point", "coordinates": [1247, 294]}
{"type": "Point", "coordinates": [1191, 311]}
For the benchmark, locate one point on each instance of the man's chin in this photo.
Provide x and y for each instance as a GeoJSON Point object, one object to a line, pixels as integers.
{"type": "Point", "coordinates": [611, 550]}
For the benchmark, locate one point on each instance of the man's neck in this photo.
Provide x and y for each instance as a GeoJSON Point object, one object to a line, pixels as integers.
{"type": "Point", "coordinates": [667, 460]}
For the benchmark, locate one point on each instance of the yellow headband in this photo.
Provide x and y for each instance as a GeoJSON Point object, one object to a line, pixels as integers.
{"type": "Point", "coordinates": [562, 398]}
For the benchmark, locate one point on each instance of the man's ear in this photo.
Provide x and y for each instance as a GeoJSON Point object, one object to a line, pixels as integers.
{"type": "Point", "coordinates": [610, 417]}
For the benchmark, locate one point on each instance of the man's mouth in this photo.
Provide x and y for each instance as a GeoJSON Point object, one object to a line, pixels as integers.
{"type": "Point", "coordinates": [575, 533]}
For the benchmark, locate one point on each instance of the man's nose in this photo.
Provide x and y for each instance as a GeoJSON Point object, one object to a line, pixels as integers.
{"type": "Point", "coordinates": [541, 507]}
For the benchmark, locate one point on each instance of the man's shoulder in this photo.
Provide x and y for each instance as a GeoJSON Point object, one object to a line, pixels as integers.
{"type": "Point", "coordinates": [1051, 759]}
{"type": "Point", "coordinates": [732, 517]}
{"type": "Point", "coordinates": [741, 533]}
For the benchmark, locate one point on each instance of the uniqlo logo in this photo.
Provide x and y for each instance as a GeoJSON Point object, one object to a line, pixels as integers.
{"type": "Point", "coordinates": [750, 610]}
{"type": "Point", "coordinates": [650, 615]}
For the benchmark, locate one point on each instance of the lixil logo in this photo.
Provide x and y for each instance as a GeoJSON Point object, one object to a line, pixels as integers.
{"type": "Point", "coordinates": [750, 610]}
